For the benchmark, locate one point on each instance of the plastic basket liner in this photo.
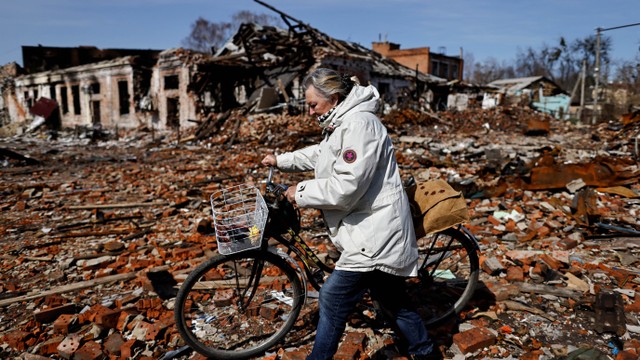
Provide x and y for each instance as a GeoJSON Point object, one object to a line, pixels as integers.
{"type": "Point", "coordinates": [239, 217]}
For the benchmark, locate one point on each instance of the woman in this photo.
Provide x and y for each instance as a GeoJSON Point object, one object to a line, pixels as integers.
{"type": "Point", "coordinates": [358, 187]}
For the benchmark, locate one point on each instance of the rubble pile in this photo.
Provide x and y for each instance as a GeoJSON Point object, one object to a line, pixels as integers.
{"type": "Point", "coordinates": [96, 236]}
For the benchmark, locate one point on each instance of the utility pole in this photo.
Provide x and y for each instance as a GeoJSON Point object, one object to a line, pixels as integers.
{"type": "Point", "coordinates": [583, 76]}
{"type": "Point", "coordinates": [596, 71]}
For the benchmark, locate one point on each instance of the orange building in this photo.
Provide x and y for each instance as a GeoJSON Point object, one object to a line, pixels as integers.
{"type": "Point", "coordinates": [422, 59]}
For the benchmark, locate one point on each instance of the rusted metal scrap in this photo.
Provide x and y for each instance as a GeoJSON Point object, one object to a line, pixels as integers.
{"type": "Point", "coordinates": [630, 118]}
{"type": "Point", "coordinates": [537, 127]}
{"type": "Point", "coordinates": [598, 173]}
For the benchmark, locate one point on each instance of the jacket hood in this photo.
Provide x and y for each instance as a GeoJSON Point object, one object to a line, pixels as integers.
{"type": "Point", "coordinates": [361, 98]}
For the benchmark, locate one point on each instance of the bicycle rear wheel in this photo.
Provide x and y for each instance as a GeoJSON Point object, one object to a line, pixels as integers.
{"type": "Point", "coordinates": [448, 274]}
{"type": "Point", "coordinates": [239, 305]}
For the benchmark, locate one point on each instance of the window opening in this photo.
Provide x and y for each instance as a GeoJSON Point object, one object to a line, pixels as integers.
{"type": "Point", "coordinates": [64, 99]}
{"type": "Point", "coordinates": [171, 82]}
{"type": "Point", "coordinates": [75, 93]}
{"type": "Point", "coordinates": [123, 96]}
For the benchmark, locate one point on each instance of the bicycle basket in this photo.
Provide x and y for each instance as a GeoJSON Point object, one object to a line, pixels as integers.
{"type": "Point", "coordinates": [239, 217]}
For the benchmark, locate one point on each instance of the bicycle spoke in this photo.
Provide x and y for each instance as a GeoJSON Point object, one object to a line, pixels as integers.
{"type": "Point", "coordinates": [238, 305]}
{"type": "Point", "coordinates": [448, 273]}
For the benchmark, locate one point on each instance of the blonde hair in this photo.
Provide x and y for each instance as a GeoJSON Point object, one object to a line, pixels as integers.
{"type": "Point", "coordinates": [329, 82]}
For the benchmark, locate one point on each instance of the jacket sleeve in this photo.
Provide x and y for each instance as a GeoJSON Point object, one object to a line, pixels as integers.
{"type": "Point", "coordinates": [300, 160]}
{"type": "Point", "coordinates": [353, 170]}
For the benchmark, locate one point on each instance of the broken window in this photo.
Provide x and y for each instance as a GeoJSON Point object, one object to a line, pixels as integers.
{"type": "Point", "coordinates": [173, 112]}
{"type": "Point", "coordinates": [95, 88]}
{"type": "Point", "coordinates": [444, 70]}
{"type": "Point", "coordinates": [64, 100]}
{"type": "Point", "coordinates": [27, 99]}
{"type": "Point", "coordinates": [75, 93]}
{"type": "Point", "coordinates": [35, 95]}
{"type": "Point", "coordinates": [123, 96]}
{"type": "Point", "coordinates": [95, 112]}
{"type": "Point", "coordinates": [171, 82]}
{"type": "Point", "coordinates": [435, 68]}
{"type": "Point", "coordinates": [52, 92]}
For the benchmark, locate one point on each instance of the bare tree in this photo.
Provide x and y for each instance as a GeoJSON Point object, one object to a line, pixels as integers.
{"type": "Point", "coordinates": [491, 70]}
{"type": "Point", "coordinates": [207, 36]}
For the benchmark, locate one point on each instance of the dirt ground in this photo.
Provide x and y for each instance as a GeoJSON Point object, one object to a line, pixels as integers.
{"type": "Point", "coordinates": [84, 222]}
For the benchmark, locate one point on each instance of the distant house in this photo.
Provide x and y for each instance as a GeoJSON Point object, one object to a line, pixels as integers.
{"type": "Point", "coordinates": [423, 60]}
{"type": "Point", "coordinates": [538, 92]}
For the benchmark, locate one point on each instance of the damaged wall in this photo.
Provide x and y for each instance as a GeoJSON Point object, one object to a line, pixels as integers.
{"type": "Point", "coordinates": [98, 94]}
{"type": "Point", "coordinates": [170, 83]}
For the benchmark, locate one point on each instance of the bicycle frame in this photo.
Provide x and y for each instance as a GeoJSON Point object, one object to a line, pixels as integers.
{"type": "Point", "coordinates": [314, 269]}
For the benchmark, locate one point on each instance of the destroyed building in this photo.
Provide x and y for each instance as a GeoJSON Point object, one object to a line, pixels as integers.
{"type": "Point", "coordinates": [538, 92]}
{"type": "Point", "coordinates": [260, 68]}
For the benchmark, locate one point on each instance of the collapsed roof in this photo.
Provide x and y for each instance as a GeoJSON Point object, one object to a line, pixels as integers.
{"type": "Point", "coordinates": [302, 44]}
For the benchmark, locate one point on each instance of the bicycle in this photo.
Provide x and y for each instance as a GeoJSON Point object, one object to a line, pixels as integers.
{"type": "Point", "coordinates": [241, 303]}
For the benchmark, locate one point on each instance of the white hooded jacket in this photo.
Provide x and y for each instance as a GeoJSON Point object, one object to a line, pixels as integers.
{"type": "Point", "coordinates": [358, 187]}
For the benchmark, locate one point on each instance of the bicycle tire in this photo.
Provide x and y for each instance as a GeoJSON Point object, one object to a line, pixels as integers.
{"type": "Point", "coordinates": [448, 273]}
{"type": "Point", "coordinates": [211, 318]}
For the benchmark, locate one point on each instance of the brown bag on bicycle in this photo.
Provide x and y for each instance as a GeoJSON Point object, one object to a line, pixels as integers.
{"type": "Point", "coordinates": [436, 206]}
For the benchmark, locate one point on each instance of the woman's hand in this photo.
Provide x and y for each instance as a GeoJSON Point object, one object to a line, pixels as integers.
{"type": "Point", "coordinates": [270, 160]}
{"type": "Point", "coordinates": [290, 193]}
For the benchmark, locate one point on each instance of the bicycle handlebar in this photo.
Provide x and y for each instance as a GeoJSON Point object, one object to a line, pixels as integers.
{"type": "Point", "coordinates": [277, 189]}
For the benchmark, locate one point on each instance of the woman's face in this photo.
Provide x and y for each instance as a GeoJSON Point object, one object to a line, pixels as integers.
{"type": "Point", "coordinates": [318, 105]}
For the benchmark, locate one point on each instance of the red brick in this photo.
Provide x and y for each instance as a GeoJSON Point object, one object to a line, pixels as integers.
{"type": "Point", "coordinates": [17, 339]}
{"type": "Point", "coordinates": [474, 339]}
{"type": "Point", "coordinates": [633, 307]}
{"type": "Point", "coordinates": [533, 355]}
{"type": "Point", "coordinates": [124, 318]}
{"type": "Point", "coordinates": [351, 346]}
{"type": "Point", "coordinates": [156, 330]}
{"type": "Point", "coordinates": [627, 355]}
{"type": "Point", "coordinates": [515, 273]}
{"type": "Point", "coordinates": [356, 338]}
{"type": "Point", "coordinates": [552, 262]}
{"type": "Point", "coordinates": [503, 292]}
{"type": "Point", "coordinates": [108, 318]}
{"type": "Point", "coordinates": [90, 315]}
{"type": "Point", "coordinates": [27, 356]}
{"type": "Point", "coordinates": [567, 244]}
{"type": "Point", "coordinates": [128, 349]}
{"type": "Point", "coordinates": [50, 346]}
{"type": "Point", "coordinates": [91, 350]}
{"type": "Point", "coordinates": [50, 314]}
{"type": "Point", "coordinates": [223, 297]}
{"type": "Point", "coordinates": [491, 265]}
{"type": "Point", "coordinates": [493, 220]}
{"type": "Point", "coordinates": [64, 323]}
{"type": "Point", "coordinates": [145, 304]}
{"type": "Point", "coordinates": [269, 311]}
{"type": "Point", "coordinates": [543, 231]}
{"type": "Point", "coordinates": [347, 351]}
{"type": "Point", "coordinates": [113, 343]}
{"type": "Point", "coordinates": [294, 355]}
{"type": "Point", "coordinates": [69, 345]}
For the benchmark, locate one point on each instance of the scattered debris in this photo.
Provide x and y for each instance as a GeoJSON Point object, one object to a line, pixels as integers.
{"type": "Point", "coordinates": [97, 235]}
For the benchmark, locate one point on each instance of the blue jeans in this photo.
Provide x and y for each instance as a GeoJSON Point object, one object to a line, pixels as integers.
{"type": "Point", "coordinates": [339, 296]}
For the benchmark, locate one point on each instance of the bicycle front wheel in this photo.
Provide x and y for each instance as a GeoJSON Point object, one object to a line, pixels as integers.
{"type": "Point", "coordinates": [448, 274]}
{"type": "Point", "coordinates": [239, 305]}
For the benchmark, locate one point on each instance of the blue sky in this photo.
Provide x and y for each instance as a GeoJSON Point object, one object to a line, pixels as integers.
{"type": "Point", "coordinates": [484, 28]}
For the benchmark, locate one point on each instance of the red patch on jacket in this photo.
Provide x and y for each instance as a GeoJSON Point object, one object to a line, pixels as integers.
{"type": "Point", "coordinates": [349, 156]}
